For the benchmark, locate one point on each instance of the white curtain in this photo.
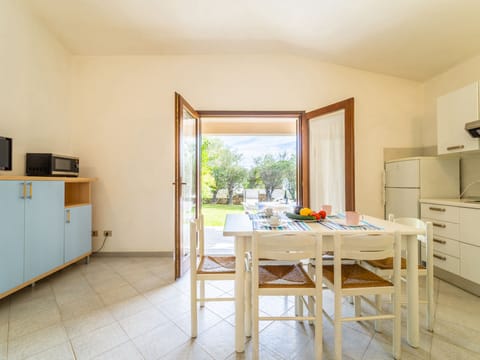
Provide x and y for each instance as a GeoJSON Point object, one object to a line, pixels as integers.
{"type": "Point", "coordinates": [327, 161]}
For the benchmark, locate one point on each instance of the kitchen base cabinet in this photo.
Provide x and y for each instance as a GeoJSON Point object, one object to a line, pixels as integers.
{"type": "Point", "coordinates": [12, 225]}
{"type": "Point", "coordinates": [456, 243]}
{"type": "Point", "coordinates": [78, 225]}
{"type": "Point", "coordinates": [469, 268]}
{"type": "Point", "coordinates": [44, 232]}
{"type": "Point", "coordinates": [35, 240]}
{"type": "Point", "coordinates": [446, 262]}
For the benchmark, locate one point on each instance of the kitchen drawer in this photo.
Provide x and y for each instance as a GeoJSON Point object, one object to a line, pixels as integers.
{"type": "Point", "coordinates": [469, 268]}
{"type": "Point", "coordinates": [469, 221]}
{"type": "Point", "coordinates": [440, 212]}
{"type": "Point", "coordinates": [446, 262]}
{"type": "Point", "coordinates": [444, 228]}
{"type": "Point", "coordinates": [446, 246]}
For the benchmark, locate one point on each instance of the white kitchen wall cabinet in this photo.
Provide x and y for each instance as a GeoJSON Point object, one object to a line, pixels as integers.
{"type": "Point", "coordinates": [454, 109]}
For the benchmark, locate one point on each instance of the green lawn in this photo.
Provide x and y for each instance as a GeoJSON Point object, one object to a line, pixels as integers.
{"type": "Point", "coordinates": [214, 215]}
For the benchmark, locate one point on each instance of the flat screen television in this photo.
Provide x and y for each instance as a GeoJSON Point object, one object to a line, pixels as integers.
{"type": "Point", "coordinates": [5, 153]}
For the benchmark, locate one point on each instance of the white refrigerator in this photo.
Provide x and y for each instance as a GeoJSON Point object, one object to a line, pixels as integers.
{"type": "Point", "coordinates": [410, 179]}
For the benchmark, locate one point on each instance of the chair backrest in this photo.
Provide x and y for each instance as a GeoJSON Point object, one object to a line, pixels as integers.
{"type": "Point", "coordinates": [197, 239]}
{"type": "Point", "coordinates": [366, 246]}
{"type": "Point", "coordinates": [288, 246]}
{"type": "Point", "coordinates": [250, 194]}
{"type": "Point", "coordinates": [413, 222]}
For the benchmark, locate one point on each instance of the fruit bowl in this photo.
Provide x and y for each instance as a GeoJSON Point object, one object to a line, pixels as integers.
{"type": "Point", "coordinates": [300, 217]}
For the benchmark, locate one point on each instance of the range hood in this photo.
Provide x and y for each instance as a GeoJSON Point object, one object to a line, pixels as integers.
{"type": "Point", "coordinates": [473, 128]}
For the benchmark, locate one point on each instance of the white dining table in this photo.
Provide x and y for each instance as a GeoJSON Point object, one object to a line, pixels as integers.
{"type": "Point", "coordinates": [241, 228]}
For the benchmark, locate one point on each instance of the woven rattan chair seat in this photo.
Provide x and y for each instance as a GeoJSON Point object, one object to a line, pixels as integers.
{"type": "Point", "coordinates": [387, 264]}
{"type": "Point", "coordinates": [355, 276]}
{"type": "Point", "coordinates": [271, 276]}
{"type": "Point", "coordinates": [216, 265]}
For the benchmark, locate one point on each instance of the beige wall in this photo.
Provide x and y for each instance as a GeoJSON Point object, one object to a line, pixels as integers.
{"type": "Point", "coordinates": [34, 86]}
{"type": "Point", "coordinates": [123, 110]}
{"type": "Point", "coordinates": [116, 113]}
{"type": "Point", "coordinates": [456, 77]}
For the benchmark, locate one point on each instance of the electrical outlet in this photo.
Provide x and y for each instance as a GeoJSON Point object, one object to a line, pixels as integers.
{"type": "Point", "coordinates": [94, 233]}
{"type": "Point", "coordinates": [107, 233]}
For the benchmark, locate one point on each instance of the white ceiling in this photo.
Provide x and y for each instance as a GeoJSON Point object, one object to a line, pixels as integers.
{"type": "Point", "coordinates": [415, 39]}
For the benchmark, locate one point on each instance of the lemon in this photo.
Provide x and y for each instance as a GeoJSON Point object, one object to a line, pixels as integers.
{"type": "Point", "coordinates": [305, 212]}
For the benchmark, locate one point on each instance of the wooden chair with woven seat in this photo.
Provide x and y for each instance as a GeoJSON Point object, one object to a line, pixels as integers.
{"type": "Point", "coordinates": [284, 275]}
{"type": "Point", "coordinates": [351, 279]}
{"type": "Point", "coordinates": [210, 267]}
{"type": "Point", "coordinates": [384, 267]}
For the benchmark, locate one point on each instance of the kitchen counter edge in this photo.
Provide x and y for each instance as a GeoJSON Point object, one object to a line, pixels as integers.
{"type": "Point", "coordinates": [452, 202]}
{"type": "Point", "coordinates": [48, 178]}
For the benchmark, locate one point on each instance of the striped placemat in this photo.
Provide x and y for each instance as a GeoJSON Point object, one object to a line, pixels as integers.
{"type": "Point", "coordinates": [260, 222]}
{"type": "Point", "coordinates": [257, 217]}
{"type": "Point", "coordinates": [289, 226]}
{"type": "Point", "coordinates": [364, 225]}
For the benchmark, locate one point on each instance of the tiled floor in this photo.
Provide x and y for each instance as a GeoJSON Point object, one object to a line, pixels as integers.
{"type": "Point", "coordinates": [128, 308]}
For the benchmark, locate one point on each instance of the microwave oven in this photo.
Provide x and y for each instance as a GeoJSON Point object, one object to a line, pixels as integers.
{"type": "Point", "coordinates": [51, 165]}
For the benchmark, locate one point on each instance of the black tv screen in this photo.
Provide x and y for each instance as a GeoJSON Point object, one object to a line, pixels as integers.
{"type": "Point", "coordinates": [5, 153]}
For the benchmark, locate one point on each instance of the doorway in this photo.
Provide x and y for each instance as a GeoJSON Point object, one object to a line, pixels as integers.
{"type": "Point", "coordinates": [306, 125]}
{"type": "Point", "coordinates": [246, 162]}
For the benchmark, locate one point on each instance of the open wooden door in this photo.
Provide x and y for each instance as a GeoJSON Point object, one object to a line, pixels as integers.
{"type": "Point", "coordinates": [328, 158]}
{"type": "Point", "coordinates": [187, 166]}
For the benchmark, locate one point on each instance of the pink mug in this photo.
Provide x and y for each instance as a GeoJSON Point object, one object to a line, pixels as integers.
{"type": "Point", "coordinates": [327, 209]}
{"type": "Point", "coordinates": [352, 217]}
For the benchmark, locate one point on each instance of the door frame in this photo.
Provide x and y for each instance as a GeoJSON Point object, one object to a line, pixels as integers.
{"type": "Point", "coordinates": [298, 114]}
{"type": "Point", "coordinates": [302, 117]}
{"type": "Point", "coordinates": [182, 263]}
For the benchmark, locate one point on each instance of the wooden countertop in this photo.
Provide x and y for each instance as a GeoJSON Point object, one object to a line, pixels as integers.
{"type": "Point", "coordinates": [48, 178]}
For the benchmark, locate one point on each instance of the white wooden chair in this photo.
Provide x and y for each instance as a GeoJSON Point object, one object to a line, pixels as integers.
{"type": "Point", "coordinates": [284, 275]}
{"type": "Point", "coordinates": [209, 267]}
{"type": "Point", "coordinates": [347, 280]}
{"type": "Point", "coordinates": [384, 268]}
{"type": "Point", "coordinates": [250, 200]}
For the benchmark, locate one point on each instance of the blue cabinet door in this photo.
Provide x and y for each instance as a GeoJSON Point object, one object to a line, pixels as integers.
{"type": "Point", "coordinates": [44, 227]}
{"type": "Point", "coordinates": [12, 223]}
{"type": "Point", "coordinates": [78, 231]}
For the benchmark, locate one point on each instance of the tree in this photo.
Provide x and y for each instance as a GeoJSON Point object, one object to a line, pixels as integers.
{"type": "Point", "coordinates": [291, 176]}
{"type": "Point", "coordinates": [221, 168]}
{"type": "Point", "coordinates": [210, 150]}
{"type": "Point", "coordinates": [253, 179]}
{"type": "Point", "coordinates": [229, 172]}
{"type": "Point", "coordinates": [272, 170]}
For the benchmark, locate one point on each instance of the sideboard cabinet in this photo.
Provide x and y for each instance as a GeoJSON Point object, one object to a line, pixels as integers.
{"type": "Point", "coordinates": [45, 225]}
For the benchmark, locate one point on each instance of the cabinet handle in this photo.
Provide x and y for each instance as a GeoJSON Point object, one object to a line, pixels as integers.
{"type": "Point", "coordinates": [443, 226]}
{"type": "Point", "coordinates": [443, 258]}
{"type": "Point", "coordinates": [456, 147]}
{"type": "Point", "coordinates": [68, 216]}
{"type": "Point", "coordinates": [443, 242]}
{"type": "Point", "coordinates": [437, 209]}
{"type": "Point", "coordinates": [30, 192]}
{"type": "Point", "coordinates": [24, 191]}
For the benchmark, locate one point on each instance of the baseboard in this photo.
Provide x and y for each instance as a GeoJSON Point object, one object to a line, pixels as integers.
{"type": "Point", "coordinates": [135, 254]}
{"type": "Point", "coordinates": [458, 281]}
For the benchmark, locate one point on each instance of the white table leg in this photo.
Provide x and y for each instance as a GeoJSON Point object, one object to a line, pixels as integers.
{"type": "Point", "coordinates": [412, 283]}
{"type": "Point", "coordinates": [239, 294]}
